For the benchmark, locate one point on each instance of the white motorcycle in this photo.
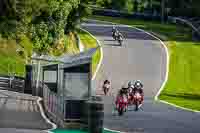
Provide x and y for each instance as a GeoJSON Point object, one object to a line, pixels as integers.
{"type": "Point", "coordinates": [120, 40]}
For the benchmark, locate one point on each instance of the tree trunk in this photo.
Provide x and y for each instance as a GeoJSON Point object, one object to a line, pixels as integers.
{"type": "Point", "coordinates": [135, 4]}
{"type": "Point", "coordinates": [162, 10]}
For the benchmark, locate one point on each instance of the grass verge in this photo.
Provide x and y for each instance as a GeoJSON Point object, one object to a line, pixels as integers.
{"type": "Point", "coordinates": [89, 42]}
{"type": "Point", "coordinates": [14, 63]}
{"type": "Point", "coordinates": [10, 61]}
{"type": "Point", "coordinates": [86, 39]}
{"type": "Point", "coordinates": [183, 85]}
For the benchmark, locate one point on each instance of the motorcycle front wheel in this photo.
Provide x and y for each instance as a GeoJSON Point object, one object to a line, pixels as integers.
{"type": "Point", "coordinates": [120, 43]}
{"type": "Point", "coordinates": [120, 112]}
{"type": "Point", "coordinates": [137, 105]}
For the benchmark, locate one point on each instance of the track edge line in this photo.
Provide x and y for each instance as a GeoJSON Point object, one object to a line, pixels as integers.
{"type": "Point", "coordinates": [101, 51]}
{"type": "Point", "coordinates": [54, 126]}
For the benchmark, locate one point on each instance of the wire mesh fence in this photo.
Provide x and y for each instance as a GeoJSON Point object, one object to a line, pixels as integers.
{"type": "Point", "coordinates": [53, 102]}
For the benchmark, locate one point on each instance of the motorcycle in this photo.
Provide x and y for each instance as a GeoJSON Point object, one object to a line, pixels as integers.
{"type": "Point", "coordinates": [137, 100]}
{"type": "Point", "coordinates": [106, 88]}
{"type": "Point", "coordinates": [114, 35]}
{"type": "Point", "coordinates": [120, 40]}
{"type": "Point", "coordinates": [121, 105]}
{"type": "Point", "coordinates": [130, 97]}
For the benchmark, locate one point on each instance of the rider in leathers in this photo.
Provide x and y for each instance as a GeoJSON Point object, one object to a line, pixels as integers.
{"type": "Point", "coordinates": [130, 90]}
{"type": "Point", "coordinates": [138, 87]}
{"type": "Point", "coordinates": [106, 86]}
{"type": "Point", "coordinates": [114, 29]}
{"type": "Point", "coordinates": [115, 32]}
{"type": "Point", "coordinates": [122, 95]}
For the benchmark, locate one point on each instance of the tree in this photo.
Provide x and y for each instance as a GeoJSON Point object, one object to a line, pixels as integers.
{"type": "Point", "coordinates": [104, 3]}
{"type": "Point", "coordinates": [42, 22]}
{"type": "Point", "coordinates": [128, 6]}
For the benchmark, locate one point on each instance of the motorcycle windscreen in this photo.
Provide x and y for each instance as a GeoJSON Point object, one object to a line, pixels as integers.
{"type": "Point", "coordinates": [76, 85]}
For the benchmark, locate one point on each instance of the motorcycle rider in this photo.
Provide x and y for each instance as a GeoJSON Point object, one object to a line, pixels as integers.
{"type": "Point", "coordinates": [130, 89]}
{"type": "Point", "coordinates": [115, 32]}
{"type": "Point", "coordinates": [120, 38]}
{"type": "Point", "coordinates": [138, 87]}
{"type": "Point", "coordinates": [114, 29]}
{"type": "Point", "coordinates": [130, 86]}
{"type": "Point", "coordinates": [106, 86]}
{"type": "Point", "coordinates": [122, 95]}
{"type": "Point", "coordinates": [125, 90]}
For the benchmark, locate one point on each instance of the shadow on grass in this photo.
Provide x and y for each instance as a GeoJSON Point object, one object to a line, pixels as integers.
{"type": "Point", "coordinates": [184, 96]}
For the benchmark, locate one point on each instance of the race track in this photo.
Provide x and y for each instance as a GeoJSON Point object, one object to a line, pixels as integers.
{"type": "Point", "coordinates": [20, 113]}
{"type": "Point", "coordinates": [141, 57]}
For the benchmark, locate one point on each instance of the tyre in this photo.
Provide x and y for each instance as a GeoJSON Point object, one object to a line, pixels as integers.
{"type": "Point", "coordinates": [114, 36]}
{"type": "Point", "coordinates": [137, 105]}
{"type": "Point", "coordinates": [120, 111]}
{"type": "Point", "coordinates": [120, 42]}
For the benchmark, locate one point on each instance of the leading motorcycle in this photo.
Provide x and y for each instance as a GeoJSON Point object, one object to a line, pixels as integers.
{"type": "Point", "coordinates": [121, 104]}
{"type": "Point", "coordinates": [115, 35]}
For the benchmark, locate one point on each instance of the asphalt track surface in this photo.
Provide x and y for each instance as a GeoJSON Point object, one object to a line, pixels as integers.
{"type": "Point", "coordinates": [19, 113]}
{"type": "Point", "coordinates": [140, 57]}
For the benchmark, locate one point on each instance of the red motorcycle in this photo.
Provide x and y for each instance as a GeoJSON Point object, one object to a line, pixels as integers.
{"type": "Point", "coordinates": [137, 100]}
{"type": "Point", "coordinates": [121, 104]}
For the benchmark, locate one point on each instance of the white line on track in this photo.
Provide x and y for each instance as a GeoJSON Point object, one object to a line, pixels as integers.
{"type": "Point", "coordinates": [44, 116]}
{"type": "Point", "coordinates": [101, 58]}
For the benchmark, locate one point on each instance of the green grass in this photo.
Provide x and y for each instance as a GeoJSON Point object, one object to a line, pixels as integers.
{"type": "Point", "coordinates": [89, 42]}
{"type": "Point", "coordinates": [95, 60]}
{"type": "Point", "coordinates": [86, 39]}
{"type": "Point", "coordinates": [183, 85]}
{"type": "Point", "coordinates": [10, 61]}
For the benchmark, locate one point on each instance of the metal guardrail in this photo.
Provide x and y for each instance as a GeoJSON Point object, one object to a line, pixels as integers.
{"type": "Point", "coordinates": [133, 15]}
{"type": "Point", "coordinates": [146, 16]}
{"type": "Point", "coordinates": [53, 102]}
{"type": "Point", "coordinates": [88, 114]}
{"type": "Point", "coordinates": [184, 21]}
{"type": "Point", "coordinates": [12, 83]}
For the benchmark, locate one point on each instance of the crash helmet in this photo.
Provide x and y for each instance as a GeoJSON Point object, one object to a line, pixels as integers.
{"type": "Point", "coordinates": [106, 81]}
{"type": "Point", "coordinates": [123, 86]}
{"type": "Point", "coordinates": [120, 91]}
{"type": "Point", "coordinates": [114, 26]}
{"type": "Point", "coordinates": [138, 84]}
{"type": "Point", "coordinates": [131, 84]}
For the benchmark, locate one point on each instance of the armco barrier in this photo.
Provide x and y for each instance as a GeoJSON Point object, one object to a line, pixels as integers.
{"type": "Point", "coordinates": [114, 13]}
{"type": "Point", "coordinates": [146, 16]}
{"type": "Point", "coordinates": [185, 22]}
{"type": "Point", "coordinates": [12, 83]}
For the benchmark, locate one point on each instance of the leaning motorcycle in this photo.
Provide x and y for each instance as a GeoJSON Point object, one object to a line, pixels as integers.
{"type": "Point", "coordinates": [114, 35]}
{"type": "Point", "coordinates": [137, 100]}
{"type": "Point", "coordinates": [121, 105]}
{"type": "Point", "coordinates": [120, 40]}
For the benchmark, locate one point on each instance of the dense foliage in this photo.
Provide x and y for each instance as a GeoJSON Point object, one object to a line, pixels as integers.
{"type": "Point", "coordinates": [43, 22]}
{"type": "Point", "coordinates": [173, 7]}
